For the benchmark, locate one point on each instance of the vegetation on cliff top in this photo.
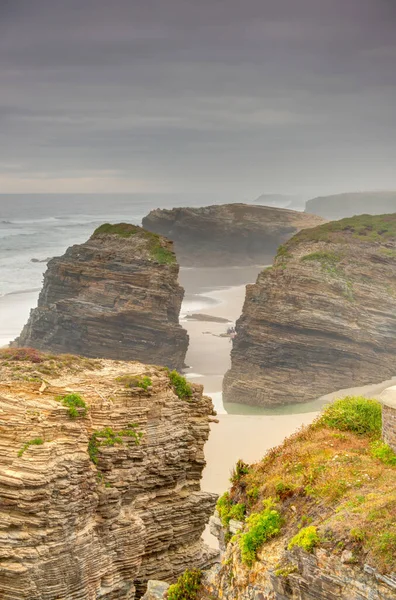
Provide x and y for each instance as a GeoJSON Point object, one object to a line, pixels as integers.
{"type": "Point", "coordinates": [29, 364]}
{"type": "Point", "coordinates": [180, 385]}
{"type": "Point", "coordinates": [332, 484]}
{"type": "Point", "coordinates": [158, 251]}
{"type": "Point", "coordinates": [371, 228]}
{"type": "Point", "coordinates": [187, 586]}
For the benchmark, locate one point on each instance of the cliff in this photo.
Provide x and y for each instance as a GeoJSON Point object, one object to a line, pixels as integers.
{"type": "Point", "coordinates": [100, 464]}
{"type": "Point", "coordinates": [322, 318]}
{"type": "Point", "coordinates": [115, 296]}
{"type": "Point", "coordinates": [228, 234]}
{"type": "Point", "coordinates": [356, 203]}
{"type": "Point", "coordinates": [313, 520]}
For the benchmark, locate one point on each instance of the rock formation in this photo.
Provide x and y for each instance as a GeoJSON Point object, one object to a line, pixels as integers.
{"type": "Point", "coordinates": [228, 234]}
{"type": "Point", "coordinates": [115, 296]}
{"type": "Point", "coordinates": [322, 318]}
{"type": "Point", "coordinates": [100, 464]}
{"type": "Point", "coordinates": [348, 205]}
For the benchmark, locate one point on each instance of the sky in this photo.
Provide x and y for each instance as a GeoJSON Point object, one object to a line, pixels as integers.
{"type": "Point", "coordinates": [228, 97]}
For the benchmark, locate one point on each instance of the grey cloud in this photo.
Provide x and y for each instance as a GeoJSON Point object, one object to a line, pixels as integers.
{"type": "Point", "coordinates": [262, 94]}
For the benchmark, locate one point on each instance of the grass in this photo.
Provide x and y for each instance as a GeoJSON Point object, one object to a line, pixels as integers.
{"type": "Point", "coordinates": [354, 413]}
{"type": "Point", "coordinates": [155, 243]}
{"type": "Point", "coordinates": [22, 354]}
{"type": "Point", "coordinates": [133, 381]}
{"type": "Point", "coordinates": [34, 442]}
{"type": "Point", "coordinates": [329, 261]}
{"type": "Point", "coordinates": [187, 586]}
{"type": "Point", "coordinates": [180, 385]}
{"type": "Point", "coordinates": [228, 510]}
{"type": "Point", "coordinates": [338, 477]}
{"type": "Point", "coordinates": [109, 437]}
{"type": "Point", "coordinates": [29, 364]}
{"type": "Point", "coordinates": [75, 404]}
{"type": "Point", "coordinates": [371, 228]}
{"type": "Point", "coordinates": [307, 538]}
{"type": "Point", "coordinates": [260, 527]}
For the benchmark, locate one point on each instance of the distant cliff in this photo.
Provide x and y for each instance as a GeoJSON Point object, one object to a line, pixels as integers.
{"type": "Point", "coordinates": [348, 205]}
{"type": "Point", "coordinates": [115, 296]}
{"type": "Point", "coordinates": [322, 318]}
{"type": "Point", "coordinates": [100, 467]}
{"type": "Point", "coordinates": [228, 234]}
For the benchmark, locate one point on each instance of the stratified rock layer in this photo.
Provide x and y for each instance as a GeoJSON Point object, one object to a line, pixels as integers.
{"type": "Point", "coordinates": [322, 318]}
{"type": "Point", "coordinates": [350, 204]}
{"type": "Point", "coordinates": [115, 296]}
{"type": "Point", "coordinates": [228, 234]}
{"type": "Point", "coordinates": [72, 529]}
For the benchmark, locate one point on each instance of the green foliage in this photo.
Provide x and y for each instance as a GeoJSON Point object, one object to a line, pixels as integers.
{"type": "Point", "coordinates": [187, 586]}
{"type": "Point", "coordinates": [307, 538]}
{"type": "Point", "coordinates": [34, 442]}
{"type": "Point", "coordinates": [354, 413]}
{"type": "Point", "coordinates": [385, 544]}
{"type": "Point", "coordinates": [76, 405]}
{"type": "Point", "coordinates": [325, 258]}
{"type": "Point", "coordinates": [260, 528]}
{"type": "Point", "coordinates": [180, 385]}
{"type": "Point", "coordinates": [228, 510]}
{"type": "Point", "coordinates": [362, 227]}
{"type": "Point", "coordinates": [108, 437]}
{"type": "Point", "coordinates": [239, 471]}
{"type": "Point", "coordinates": [156, 245]}
{"type": "Point", "coordinates": [286, 570]}
{"type": "Point", "coordinates": [131, 381]}
{"type": "Point", "coordinates": [120, 229]}
{"type": "Point", "coordinates": [383, 452]}
{"type": "Point", "coordinates": [282, 252]}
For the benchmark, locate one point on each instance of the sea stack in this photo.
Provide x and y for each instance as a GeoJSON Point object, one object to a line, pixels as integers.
{"type": "Point", "coordinates": [322, 318]}
{"type": "Point", "coordinates": [115, 296]}
{"type": "Point", "coordinates": [99, 477]}
{"type": "Point", "coordinates": [227, 234]}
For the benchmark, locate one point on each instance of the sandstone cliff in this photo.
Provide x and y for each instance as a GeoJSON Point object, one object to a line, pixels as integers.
{"type": "Point", "coordinates": [322, 318]}
{"type": "Point", "coordinates": [100, 464]}
{"type": "Point", "coordinates": [228, 234]}
{"type": "Point", "coordinates": [115, 296]}
{"type": "Point", "coordinates": [356, 203]}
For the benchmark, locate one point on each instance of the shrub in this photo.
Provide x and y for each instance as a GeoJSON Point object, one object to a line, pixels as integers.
{"type": "Point", "coordinates": [260, 527]}
{"type": "Point", "coordinates": [23, 354]}
{"type": "Point", "coordinates": [307, 538]}
{"type": "Point", "coordinates": [187, 586]}
{"type": "Point", "coordinates": [354, 413]}
{"type": "Point", "coordinates": [108, 437]}
{"type": "Point", "coordinates": [75, 404]}
{"type": "Point", "coordinates": [34, 442]}
{"type": "Point", "coordinates": [120, 229]}
{"type": "Point", "coordinates": [180, 385]}
{"type": "Point", "coordinates": [131, 381]}
{"type": "Point", "coordinates": [383, 452]}
{"type": "Point", "coordinates": [239, 471]}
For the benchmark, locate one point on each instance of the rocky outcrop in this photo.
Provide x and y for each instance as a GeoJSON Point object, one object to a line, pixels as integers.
{"type": "Point", "coordinates": [115, 296]}
{"type": "Point", "coordinates": [102, 493]}
{"type": "Point", "coordinates": [322, 318]}
{"type": "Point", "coordinates": [228, 234]}
{"type": "Point", "coordinates": [356, 203]}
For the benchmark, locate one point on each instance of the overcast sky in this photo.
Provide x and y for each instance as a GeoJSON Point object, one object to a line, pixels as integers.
{"type": "Point", "coordinates": [232, 97]}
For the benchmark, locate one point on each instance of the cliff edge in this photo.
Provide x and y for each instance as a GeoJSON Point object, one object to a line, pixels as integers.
{"type": "Point", "coordinates": [100, 464]}
{"type": "Point", "coordinates": [227, 234]}
{"type": "Point", "coordinates": [353, 203]}
{"type": "Point", "coordinates": [115, 296]}
{"type": "Point", "coordinates": [322, 318]}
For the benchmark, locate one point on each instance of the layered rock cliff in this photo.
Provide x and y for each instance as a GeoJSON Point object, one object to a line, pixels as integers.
{"type": "Point", "coordinates": [322, 318]}
{"type": "Point", "coordinates": [228, 234]}
{"type": "Point", "coordinates": [115, 296]}
{"type": "Point", "coordinates": [350, 204]}
{"type": "Point", "coordinates": [100, 464]}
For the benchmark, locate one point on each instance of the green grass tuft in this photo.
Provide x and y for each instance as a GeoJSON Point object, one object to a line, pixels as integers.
{"type": "Point", "coordinates": [228, 510]}
{"type": "Point", "coordinates": [180, 385]}
{"type": "Point", "coordinates": [187, 586]}
{"type": "Point", "coordinates": [307, 538]}
{"type": "Point", "coordinates": [108, 437]}
{"type": "Point", "coordinates": [354, 413]}
{"type": "Point", "coordinates": [76, 405]}
{"type": "Point", "coordinates": [131, 381]}
{"type": "Point", "coordinates": [260, 527]}
{"type": "Point", "coordinates": [383, 452]}
{"type": "Point", "coordinates": [34, 442]}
